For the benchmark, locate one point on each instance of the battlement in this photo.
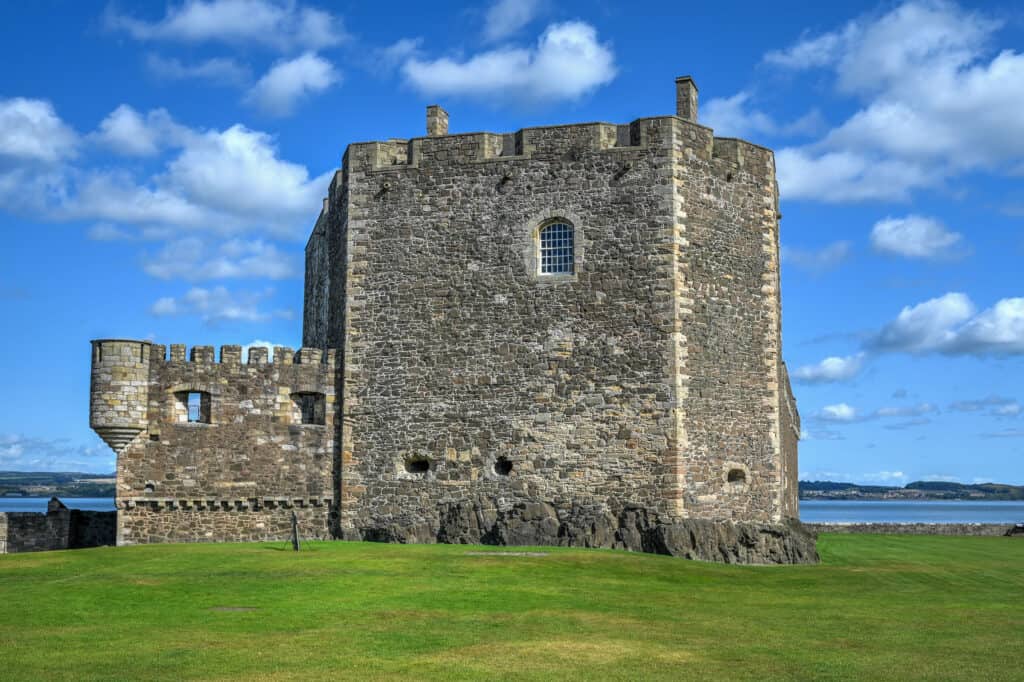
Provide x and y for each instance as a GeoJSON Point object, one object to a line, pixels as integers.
{"type": "Point", "coordinates": [232, 355]}
{"type": "Point", "coordinates": [523, 144]}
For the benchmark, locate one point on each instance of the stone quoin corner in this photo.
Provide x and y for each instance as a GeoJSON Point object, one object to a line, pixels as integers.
{"type": "Point", "coordinates": [566, 335]}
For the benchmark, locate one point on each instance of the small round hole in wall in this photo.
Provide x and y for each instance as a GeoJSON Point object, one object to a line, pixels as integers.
{"type": "Point", "coordinates": [736, 476]}
{"type": "Point", "coordinates": [417, 465]}
{"type": "Point", "coordinates": [728, 177]}
{"type": "Point", "coordinates": [502, 466]}
{"type": "Point", "coordinates": [150, 487]}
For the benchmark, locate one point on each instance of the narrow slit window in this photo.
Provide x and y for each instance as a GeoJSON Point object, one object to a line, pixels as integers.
{"type": "Point", "coordinates": [556, 249]}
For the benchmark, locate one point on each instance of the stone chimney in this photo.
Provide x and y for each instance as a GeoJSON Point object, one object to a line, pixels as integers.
{"type": "Point", "coordinates": [686, 98]}
{"type": "Point", "coordinates": [437, 121]}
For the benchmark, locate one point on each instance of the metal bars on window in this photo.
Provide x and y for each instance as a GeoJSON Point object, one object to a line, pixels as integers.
{"type": "Point", "coordinates": [556, 249]}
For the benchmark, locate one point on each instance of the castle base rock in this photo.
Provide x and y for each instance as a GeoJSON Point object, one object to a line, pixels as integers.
{"type": "Point", "coordinates": [635, 529]}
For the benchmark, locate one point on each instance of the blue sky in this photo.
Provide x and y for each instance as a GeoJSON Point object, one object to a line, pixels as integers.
{"type": "Point", "coordinates": [161, 165]}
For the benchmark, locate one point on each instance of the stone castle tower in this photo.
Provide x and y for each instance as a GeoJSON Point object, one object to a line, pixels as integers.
{"type": "Point", "coordinates": [561, 335]}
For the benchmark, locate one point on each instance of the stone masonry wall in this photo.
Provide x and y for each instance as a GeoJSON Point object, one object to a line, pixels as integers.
{"type": "Point", "coordinates": [644, 378]}
{"type": "Point", "coordinates": [458, 354]}
{"type": "Point", "coordinates": [177, 478]}
{"type": "Point", "coordinates": [729, 329]}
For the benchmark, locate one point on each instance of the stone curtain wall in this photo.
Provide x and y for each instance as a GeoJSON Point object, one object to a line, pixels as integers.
{"type": "Point", "coordinates": [237, 477]}
{"type": "Point", "coordinates": [59, 528]}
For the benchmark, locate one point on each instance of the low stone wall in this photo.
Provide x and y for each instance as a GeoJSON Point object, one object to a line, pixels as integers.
{"type": "Point", "coordinates": [634, 528]}
{"type": "Point", "coordinates": [92, 529]}
{"type": "Point", "coordinates": [58, 528]}
{"type": "Point", "coordinates": [988, 529]}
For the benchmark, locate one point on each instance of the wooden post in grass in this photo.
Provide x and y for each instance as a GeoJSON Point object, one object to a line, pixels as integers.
{"type": "Point", "coordinates": [295, 532]}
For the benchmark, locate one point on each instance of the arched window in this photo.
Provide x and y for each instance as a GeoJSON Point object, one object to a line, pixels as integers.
{"type": "Point", "coordinates": [556, 249]}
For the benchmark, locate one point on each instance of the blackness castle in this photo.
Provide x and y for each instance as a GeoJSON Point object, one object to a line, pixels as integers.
{"type": "Point", "coordinates": [562, 335]}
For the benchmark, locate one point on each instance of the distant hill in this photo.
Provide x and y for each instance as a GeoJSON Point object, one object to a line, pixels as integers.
{"type": "Point", "coordinates": [918, 490]}
{"type": "Point", "coordinates": [58, 483]}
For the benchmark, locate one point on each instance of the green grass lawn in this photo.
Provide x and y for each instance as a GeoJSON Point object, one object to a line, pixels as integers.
{"type": "Point", "coordinates": [877, 607]}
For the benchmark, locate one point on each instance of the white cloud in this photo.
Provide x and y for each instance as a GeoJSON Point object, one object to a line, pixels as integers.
{"type": "Point", "coordinates": [105, 232]}
{"type": "Point", "coordinates": [993, 405]}
{"type": "Point", "coordinates": [191, 259]}
{"type": "Point", "coordinates": [30, 130]}
{"type": "Point", "coordinates": [1011, 410]}
{"type": "Point", "coordinates": [906, 410]}
{"type": "Point", "coordinates": [236, 172]}
{"type": "Point", "coordinates": [260, 343]}
{"type": "Point", "coordinates": [505, 17]}
{"type": "Point", "coordinates": [950, 325]}
{"type": "Point", "coordinates": [127, 132]}
{"type": "Point", "coordinates": [840, 412]}
{"type": "Point", "coordinates": [288, 82]}
{"type": "Point", "coordinates": [916, 237]}
{"type": "Point", "coordinates": [216, 70]}
{"type": "Point", "coordinates": [226, 182]}
{"type": "Point", "coordinates": [218, 305]}
{"type": "Point", "coordinates": [935, 104]}
{"type": "Point", "coordinates": [390, 57]}
{"type": "Point", "coordinates": [848, 175]}
{"type": "Point", "coordinates": [278, 24]}
{"type": "Point", "coordinates": [567, 62]}
{"type": "Point", "coordinates": [21, 452]}
{"type": "Point", "coordinates": [926, 326]}
{"type": "Point", "coordinates": [818, 261]}
{"type": "Point", "coordinates": [885, 477]}
{"type": "Point", "coordinates": [731, 117]}
{"type": "Point", "coordinates": [831, 369]}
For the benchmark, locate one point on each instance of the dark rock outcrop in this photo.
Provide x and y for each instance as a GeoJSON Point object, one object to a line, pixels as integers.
{"type": "Point", "coordinates": [635, 528]}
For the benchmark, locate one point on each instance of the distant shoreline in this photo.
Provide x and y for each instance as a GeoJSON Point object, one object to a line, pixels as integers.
{"type": "Point", "coordinates": [918, 490]}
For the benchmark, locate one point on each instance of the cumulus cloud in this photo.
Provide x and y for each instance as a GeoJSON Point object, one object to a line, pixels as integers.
{"type": "Point", "coordinates": [260, 343]}
{"type": "Point", "coordinates": [818, 261]}
{"type": "Point", "coordinates": [128, 132]}
{"type": "Point", "coordinates": [916, 236]}
{"type": "Point", "coordinates": [830, 370]}
{"type": "Point", "coordinates": [950, 325]}
{"type": "Point", "coordinates": [567, 62]}
{"type": "Point", "coordinates": [216, 70]}
{"type": "Point", "coordinates": [194, 259]}
{"type": "Point", "coordinates": [278, 24]}
{"type": "Point", "coordinates": [219, 305]}
{"type": "Point", "coordinates": [505, 17]}
{"type": "Point", "coordinates": [733, 117]}
{"type": "Point", "coordinates": [30, 130]}
{"type": "Point", "coordinates": [844, 413]}
{"type": "Point", "coordinates": [840, 412]}
{"type": "Point", "coordinates": [288, 82]}
{"type": "Point", "coordinates": [934, 104]}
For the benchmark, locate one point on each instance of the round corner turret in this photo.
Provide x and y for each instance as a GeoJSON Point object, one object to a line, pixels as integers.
{"type": "Point", "coordinates": [119, 390]}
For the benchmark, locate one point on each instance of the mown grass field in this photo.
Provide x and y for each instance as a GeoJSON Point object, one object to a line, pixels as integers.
{"type": "Point", "coordinates": [878, 607]}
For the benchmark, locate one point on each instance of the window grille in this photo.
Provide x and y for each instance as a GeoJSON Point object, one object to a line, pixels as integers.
{"type": "Point", "coordinates": [556, 249]}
